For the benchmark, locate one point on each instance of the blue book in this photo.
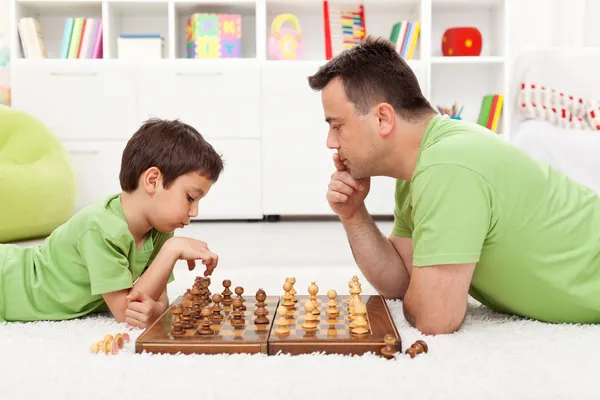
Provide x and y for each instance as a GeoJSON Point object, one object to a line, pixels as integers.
{"type": "Point", "coordinates": [66, 42]}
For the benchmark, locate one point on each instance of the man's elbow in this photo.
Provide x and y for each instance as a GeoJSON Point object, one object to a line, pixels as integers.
{"type": "Point", "coordinates": [432, 325]}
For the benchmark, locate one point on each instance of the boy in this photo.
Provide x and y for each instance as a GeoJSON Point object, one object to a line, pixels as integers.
{"type": "Point", "coordinates": [119, 253]}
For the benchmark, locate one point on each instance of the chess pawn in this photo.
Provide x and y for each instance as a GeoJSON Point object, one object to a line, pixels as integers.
{"type": "Point", "coordinates": [282, 322]}
{"type": "Point", "coordinates": [360, 322]}
{"type": "Point", "coordinates": [216, 308]}
{"type": "Point", "coordinates": [227, 300]}
{"type": "Point", "coordinates": [237, 314]}
{"type": "Point", "coordinates": [240, 291]}
{"type": "Point", "coordinates": [176, 323]}
{"type": "Point", "coordinates": [293, 292]}
{"type": "Point", "coordinates": [205, 323]}
{"type": "Point", "coordinates": [261, 310]}
{"type": "Point", "coordinates": [310, 319]}
{"type": "Point", "coordinates": [313, 289]}
{"type": "Point", "coordinates": [417, 347]}
{"type": "Point", "coordinates": [389, 350]}
{"type": "Point", "coordinates": [287, 297]}
{"type": "Point", "coordinates": [332, 311]}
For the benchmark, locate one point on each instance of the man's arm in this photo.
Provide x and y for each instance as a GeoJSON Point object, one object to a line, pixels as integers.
{"type": "Point", "coordinates": [376, 256]}
{"type": "Point", "coordinates": [436, 299]}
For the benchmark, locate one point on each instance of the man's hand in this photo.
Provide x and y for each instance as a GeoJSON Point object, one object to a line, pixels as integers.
{"type": "Point", "coordinates": [192, 250]}
{"type": "Point", "coordinates": [141, 310]}
{"type": "Point", "coordinates": [345, 194]}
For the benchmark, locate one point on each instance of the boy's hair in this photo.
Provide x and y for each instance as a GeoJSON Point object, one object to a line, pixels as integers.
{"type": "Point", "coordinates": [373, 72]}
{"type": "Point", "coordinates": [173, 147]}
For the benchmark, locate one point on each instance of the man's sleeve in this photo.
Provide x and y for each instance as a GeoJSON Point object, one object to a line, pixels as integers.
{"type": "Point", "coordinates": [400, 227]}
{"type": "Point", "coordinates": [106, 262]}
{"type": "Point", "coordinates": [452, 210]}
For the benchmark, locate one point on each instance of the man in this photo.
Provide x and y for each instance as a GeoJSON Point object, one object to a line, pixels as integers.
{"type": "Point", "coordinates": [474, 214]}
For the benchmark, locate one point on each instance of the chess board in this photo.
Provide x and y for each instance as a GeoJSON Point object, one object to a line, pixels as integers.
{"type": "Point", "coordinates": [332, 336]}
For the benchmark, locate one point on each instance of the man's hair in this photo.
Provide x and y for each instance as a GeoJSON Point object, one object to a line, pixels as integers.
{"type": "Point", "coordinates": [174, 147]}
{"type": "Point", "coordinates": [373, 72]}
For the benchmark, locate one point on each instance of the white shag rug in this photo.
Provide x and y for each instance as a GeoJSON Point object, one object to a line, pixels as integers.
{"type": "Point", "coordinates": [492, 356]}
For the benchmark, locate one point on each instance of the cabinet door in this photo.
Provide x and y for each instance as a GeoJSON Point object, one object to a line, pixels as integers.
{"type": "Point", "coordinates": [77, 101]}
{"type": "Point", "coordinates": [97, 166]}
{"type": "Point", "coordinates": [237, 193]}
{"type": "Point", "coordinates": [297, 164]}
{"type": "Point", "coordinates": [221, 99]}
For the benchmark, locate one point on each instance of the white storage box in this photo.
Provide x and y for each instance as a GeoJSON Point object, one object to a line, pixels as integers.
{"type": "Point", "coordinates": [140, 47]}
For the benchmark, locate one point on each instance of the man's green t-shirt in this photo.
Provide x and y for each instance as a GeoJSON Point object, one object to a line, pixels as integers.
{"type": "Point", "coordinates": [63, 278]}
{"type": "Point", "coordinates": [533, 233]}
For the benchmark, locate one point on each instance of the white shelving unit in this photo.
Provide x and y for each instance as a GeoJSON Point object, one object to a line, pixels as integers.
{"type": "Point", "coordinates": [259, 113]}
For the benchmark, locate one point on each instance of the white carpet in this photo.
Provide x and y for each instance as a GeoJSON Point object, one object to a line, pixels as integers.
{"type": "Point", "coordinates": [492, 356]}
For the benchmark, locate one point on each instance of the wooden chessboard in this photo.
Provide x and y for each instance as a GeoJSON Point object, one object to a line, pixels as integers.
{"type": "Point", "coordinates": [330, 337]}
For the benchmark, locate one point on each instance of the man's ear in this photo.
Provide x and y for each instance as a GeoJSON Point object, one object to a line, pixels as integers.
{"type": "Point", "coordinates": [387, 118]}
{"type": "Point", "coordinates": [151, 180]}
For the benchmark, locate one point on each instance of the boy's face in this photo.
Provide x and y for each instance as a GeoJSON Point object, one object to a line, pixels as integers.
{"type": "Point", "coordinates": [173, 208]}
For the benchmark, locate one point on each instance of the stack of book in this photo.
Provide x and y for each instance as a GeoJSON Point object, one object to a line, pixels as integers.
{"type": "Point", "coordinates": [404, 35]}
{"type": "Point", "coordinates": [491, 109]}
{"type": "Point", "coordinates": [82, 38]}
{"type": "Point", "coordinates": [32, 38]}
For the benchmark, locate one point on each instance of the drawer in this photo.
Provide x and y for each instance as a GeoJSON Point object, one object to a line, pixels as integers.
{"type": "Point", "coordinates": [77, 101]}
{"type": "Point", "coordinates": [220, 100]}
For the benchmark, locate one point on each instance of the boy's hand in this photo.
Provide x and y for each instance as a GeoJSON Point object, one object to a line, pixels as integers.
{"type": "Point", "coordinates": [192, 250]}
{"type": "Point", "coordinates": [142, 310]}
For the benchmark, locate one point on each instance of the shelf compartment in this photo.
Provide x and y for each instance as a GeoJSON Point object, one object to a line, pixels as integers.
{"type": "Point", "coordinates": [487, 16]}
{"type": "Point", "coordinates": [52, 16]}
{"type": "Point", "coordinates": [136, 17]}
{"type": "Point", "coordinates": [245, 48]}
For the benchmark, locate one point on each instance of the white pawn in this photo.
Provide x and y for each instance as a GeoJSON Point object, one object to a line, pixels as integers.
{"type": "Point", "coordinates": [282, 322]}
{"type": "Point", "coordinates": [332, 311]}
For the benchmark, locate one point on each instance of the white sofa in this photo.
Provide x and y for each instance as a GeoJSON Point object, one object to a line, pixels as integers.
{"type": "Point", "coordinates": [573, 150]}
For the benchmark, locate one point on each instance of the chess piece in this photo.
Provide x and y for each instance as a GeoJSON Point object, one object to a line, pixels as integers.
{"type": "Point", "coordinates": [216, 308]}
{"type": "Point", "coordinates": [313, 289]}
{"type": "Point", "coordinates": [227, 300]}
{"type": "Point", "coordinates": [240, 291]}
{"type": "Point", "coordinates": [237, 314]}
{"type": "Point", "coordinates": [205, 322]}
{"type": "Point", "coordinates": [186, 319]}
{"type": "Point", "coordinates": [360, 322]}
{"type": "Point", "coordinates": [282, 322]}
{"type": "Point", "coordinates": [416, 348]}
{"type": "Point", "coordinates": [293, 292]}
{"type": "Point", "coordinates": [288, 303]}
{"type": "Point", "coordinates": [389, 350]}
{"type": "Point", "coordinates": [310, 319]}
{"type": "Point", "coordinates": [188, 299]}
{"type": "Point", "coordinates": [261, 310]}
{"type": "Point", "coordinates": [176, 324]}
{"type": "Point", "coordinates": [332, 311]}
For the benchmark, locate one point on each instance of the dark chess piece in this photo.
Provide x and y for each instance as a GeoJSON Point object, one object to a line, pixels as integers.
{"type": "Point", "coordinates": [417, 347]}
{"type": "Point", "coordinates": [237, 314]}
{"type": "Point", "coordinates": [176, 324]}
{"type": "Point", "coordinates": [216, 308]}
{"type": "Point", "coordinates": [227, 300]}
{"type": "Point", "coordinates": [389, 350]}
{"type": "Point", "coordinates": [240, 291]}
{"type": "Point", "coordinates": [205, 322]}
{"type": "Point", "coordinates": [261, 310]}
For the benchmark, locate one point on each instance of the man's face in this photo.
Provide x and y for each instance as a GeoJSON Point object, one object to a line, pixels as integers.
{"type": "Point", "coordinates": [174, 207]}
{"type": "Point", "coordinates": [350, 134]}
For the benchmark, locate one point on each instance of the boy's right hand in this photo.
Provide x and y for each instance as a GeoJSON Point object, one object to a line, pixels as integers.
{"type": "Point", "coordinates": [191, 250]}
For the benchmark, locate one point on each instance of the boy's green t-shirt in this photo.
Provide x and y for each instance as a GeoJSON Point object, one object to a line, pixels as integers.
{"type": "Point", "coordinates": [63, 278]}
{"type": "Point", "coordinates": [533, 233]}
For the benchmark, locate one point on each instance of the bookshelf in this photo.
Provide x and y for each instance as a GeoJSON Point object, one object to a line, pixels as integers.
{"type": "Point", "coordinates": [252, 102]}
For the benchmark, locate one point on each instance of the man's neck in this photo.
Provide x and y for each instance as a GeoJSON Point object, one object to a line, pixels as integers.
{"type": "Point", "coordinates": [405, 153]}
{"type": "Point", "coordinates": [133, 207]}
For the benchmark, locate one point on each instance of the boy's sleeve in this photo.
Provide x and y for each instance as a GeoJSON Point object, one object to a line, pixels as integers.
{"type": "Point", "coordinates": [106, 262]}
{"type": "Point", "coordinates": [452, 210]}
{"type": "Point", "coordinates": [161, 239]}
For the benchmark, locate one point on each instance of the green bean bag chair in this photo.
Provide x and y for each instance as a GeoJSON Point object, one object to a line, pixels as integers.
{"type": "Point", "coordinates": [38, 187]}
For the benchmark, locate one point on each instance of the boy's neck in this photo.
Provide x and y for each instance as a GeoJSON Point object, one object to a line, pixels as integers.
{"type": "Point", "coordinates": [133, 208]}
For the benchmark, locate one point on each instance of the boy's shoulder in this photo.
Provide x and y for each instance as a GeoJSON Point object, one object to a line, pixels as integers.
{"type": "Point", "coordinates": [104, 217]}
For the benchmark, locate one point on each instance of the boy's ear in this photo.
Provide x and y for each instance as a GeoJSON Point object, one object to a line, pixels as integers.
{"type": "Point", "coordinates": [152, 179]}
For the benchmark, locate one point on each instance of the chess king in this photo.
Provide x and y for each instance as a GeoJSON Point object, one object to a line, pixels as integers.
{"type": "Point", "coordinates": [473, 214]}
